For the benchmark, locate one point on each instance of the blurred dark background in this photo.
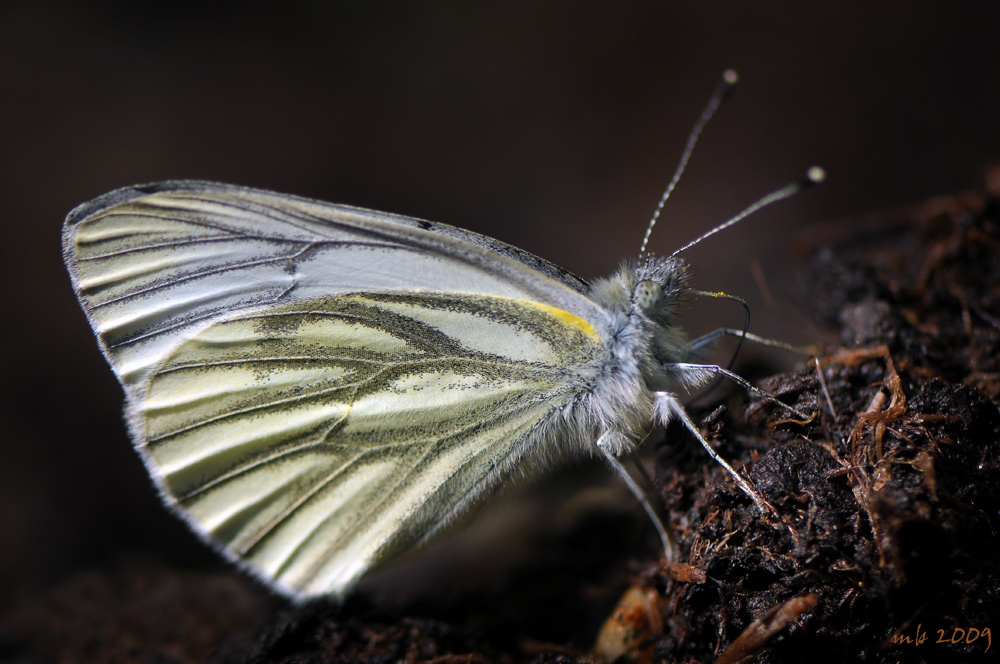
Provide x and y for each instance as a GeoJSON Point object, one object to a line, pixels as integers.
{"type": "Point", "coordinates": [553, 126]}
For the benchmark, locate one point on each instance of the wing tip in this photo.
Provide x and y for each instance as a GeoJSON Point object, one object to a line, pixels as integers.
{"type": "Point", "coordinates": [119, 196]}
{"type": "Point", "coordinates": [105, 201]}
{"type": "Point", "coordinates": [132, 192]}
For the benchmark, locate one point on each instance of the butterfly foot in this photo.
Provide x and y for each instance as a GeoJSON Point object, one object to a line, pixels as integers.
{"type": "Point", "coordinates": [605, 444]}
{"type": "Point", "coordinates": [667, 408]}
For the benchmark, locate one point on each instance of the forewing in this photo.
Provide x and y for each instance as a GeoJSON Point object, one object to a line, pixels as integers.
{"type": "Point", "coordinates": [318, 439]}
{"type": "Point", "coordinates": [154, 264]}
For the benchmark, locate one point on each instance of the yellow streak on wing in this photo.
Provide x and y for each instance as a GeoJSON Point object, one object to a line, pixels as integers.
{"type": "Point", "coordinates": [566, 318]}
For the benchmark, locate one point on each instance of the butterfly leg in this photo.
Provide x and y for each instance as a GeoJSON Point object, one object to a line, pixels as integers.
{"type": "Point", "coordinates": [603, 444]}
{"type": "Point", "coordinates": [669, 408]}
{"type": "Point", "coordinates": [701, 373]}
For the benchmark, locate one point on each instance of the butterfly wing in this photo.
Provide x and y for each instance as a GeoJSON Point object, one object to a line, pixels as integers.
{"type": "Point", "coordinates": [153, 263]}
{"type": "Point", "coordinates": [315, 440]}
{"type": "Point", "coordinates": [318, 388]}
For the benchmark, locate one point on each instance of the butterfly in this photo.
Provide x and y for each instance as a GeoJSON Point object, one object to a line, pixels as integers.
{"type": "Point", "coordinates": [317, 389]}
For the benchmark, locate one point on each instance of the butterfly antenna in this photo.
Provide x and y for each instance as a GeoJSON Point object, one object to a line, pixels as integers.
{"type": "Point", "coordinates": [813, 176]}
{"type": "Point", "coordinates": [726, 87]}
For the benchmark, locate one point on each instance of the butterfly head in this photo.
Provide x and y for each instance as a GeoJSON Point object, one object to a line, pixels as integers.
{"type": "Point", "coordinates": [647, 291]}
{"type": "Point", "coordinates": [658, 286]}
{"type": "Point", "coordinates": [642, 300]}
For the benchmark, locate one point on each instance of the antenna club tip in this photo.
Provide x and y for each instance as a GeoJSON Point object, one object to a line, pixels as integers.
{"type": "Point", "coordinates": [815, 175]}
{"type": "Point", "coordinates": [730, 77]}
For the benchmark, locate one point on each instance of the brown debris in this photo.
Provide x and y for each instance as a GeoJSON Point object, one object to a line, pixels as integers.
{"type": "Point", "coordinates": [630, 629]}
{"type": "Point", "coordinates": [888, 501]}
{"type": "Point", "coordinates": [755, 637]}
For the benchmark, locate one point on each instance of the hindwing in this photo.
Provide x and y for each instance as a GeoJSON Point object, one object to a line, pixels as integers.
{"type": "Point", "coordinates": [316, 439]}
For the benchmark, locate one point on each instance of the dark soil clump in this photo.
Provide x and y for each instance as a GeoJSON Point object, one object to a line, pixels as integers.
{"type": "Point", "coordinates": [887, 502]}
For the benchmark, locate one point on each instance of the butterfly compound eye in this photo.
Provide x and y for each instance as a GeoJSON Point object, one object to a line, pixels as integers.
{"type": "Point", "coordinates": [649, 296]}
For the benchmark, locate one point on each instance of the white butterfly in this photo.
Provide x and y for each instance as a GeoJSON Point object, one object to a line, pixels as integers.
{"type": "Point", "coordinates": [318, 388]}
